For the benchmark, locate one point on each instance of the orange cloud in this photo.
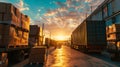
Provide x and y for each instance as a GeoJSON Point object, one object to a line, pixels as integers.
{"type": "Point", "coordinates": [66, 18]}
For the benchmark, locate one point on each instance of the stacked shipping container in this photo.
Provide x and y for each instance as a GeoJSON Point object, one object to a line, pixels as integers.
{"type": "Point", "coordinates": [113, 34]}
{"type": "Point", "coordinates": [14, 26]}
{"type": "Point", "coordinates": [34, 37]}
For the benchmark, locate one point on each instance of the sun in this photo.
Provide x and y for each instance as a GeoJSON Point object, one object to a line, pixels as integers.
{"type": "Point", "coordinates": [60, 37]}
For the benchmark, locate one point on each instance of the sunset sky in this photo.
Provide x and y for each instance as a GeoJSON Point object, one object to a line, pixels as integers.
{"type": "Point", "coordinates": [60, 17]}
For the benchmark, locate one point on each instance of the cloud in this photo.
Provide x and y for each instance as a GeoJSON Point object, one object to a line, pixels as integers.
{"type": "Point", "coordinates": [39, 10]}
{"type": "Point", "coordinates": [51, 13]}
{"type": "Point", "coordinates": [21, 5]}
{"type": "Point", "coordinates": [88, 1]}
{"type": "Point", "coordinates": [3, 0]}
{"type": "Point", "coordinates": [68, 16]}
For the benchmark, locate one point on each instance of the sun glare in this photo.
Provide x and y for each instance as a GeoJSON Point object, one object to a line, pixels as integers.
{"type": "Point", "coordinates": [60, 37]}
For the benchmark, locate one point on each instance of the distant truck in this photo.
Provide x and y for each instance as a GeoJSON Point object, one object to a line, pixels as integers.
{"type": "Point", "coordinates": [14, 34]}
{"type": "Point", "coordinates": [50, 42]}
{"type": "Point", "coordinates": [89, 36]}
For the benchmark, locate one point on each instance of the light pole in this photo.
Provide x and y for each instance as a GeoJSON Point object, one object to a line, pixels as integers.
{"type": "Point", "coordinates": [42, 34]}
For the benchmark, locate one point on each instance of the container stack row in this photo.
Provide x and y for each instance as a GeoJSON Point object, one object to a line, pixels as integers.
{"type": "Point", "coordinates": [113, 34]}
{"type": "Point", "coordinates": [14, 26]}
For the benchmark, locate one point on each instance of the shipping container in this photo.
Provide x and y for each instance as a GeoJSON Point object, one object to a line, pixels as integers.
{"type": "Point", "coordinates": [113, 32]}
{"type": "Point", "coordinates": [113, 39]}
{"type": "Point", "coordinates": [34, 30]}
{"type": "Point", "coordinates": [13, 34]}
{"type": "Point", "coordinates": [90, 36]}
{"type": "Point", "coordinates": [34, 35]}
{"type": "Point", "coordinates": [3, 7]}
{"type": "Point", "coordinates": [11, 15]}
{"type": "Point", "coordinates": [25, 22]}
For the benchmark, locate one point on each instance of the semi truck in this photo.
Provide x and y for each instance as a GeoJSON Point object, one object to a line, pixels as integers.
{"type": "Point", "coordinates": [89, 36]}
{"type": "Point", "coordinates": [14, 34]}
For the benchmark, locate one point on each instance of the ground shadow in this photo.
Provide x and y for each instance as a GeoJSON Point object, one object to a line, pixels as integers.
{"type": "Point", "coordinates": [34, 65]}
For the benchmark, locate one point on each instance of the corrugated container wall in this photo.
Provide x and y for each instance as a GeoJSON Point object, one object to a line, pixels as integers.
{"type": "Point", "coordinates": [90, 33]}
{"type": "Point", "coordinates": [96, 33]}
{"type": "Point", "coordinates": [83, 34]}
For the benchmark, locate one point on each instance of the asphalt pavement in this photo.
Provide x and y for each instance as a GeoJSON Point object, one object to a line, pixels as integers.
{"type": "Point", "coordinates": [66, 57]}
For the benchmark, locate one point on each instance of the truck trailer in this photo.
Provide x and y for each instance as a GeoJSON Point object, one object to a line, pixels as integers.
{"type": "Point", "coordinates": [89, 36]}
{"type": "Point", "coordinates": [14, 34]}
